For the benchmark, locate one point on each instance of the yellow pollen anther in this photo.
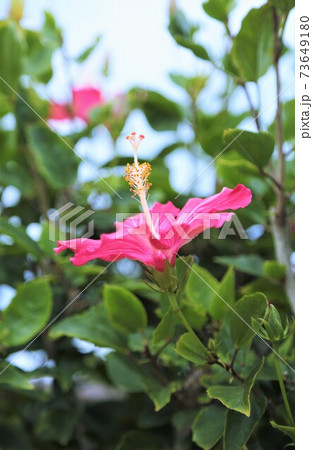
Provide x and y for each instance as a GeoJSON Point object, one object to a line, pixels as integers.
{"type": "Point", "coordinates": [137, 177]}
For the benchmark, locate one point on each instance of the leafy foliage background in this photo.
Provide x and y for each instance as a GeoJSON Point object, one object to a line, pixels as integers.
{"type": "Point", "coordinates": [116, 369]}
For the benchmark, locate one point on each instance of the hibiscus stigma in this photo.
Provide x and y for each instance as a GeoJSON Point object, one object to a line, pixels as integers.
{"type": "Point", "coordinates": [137, 176]}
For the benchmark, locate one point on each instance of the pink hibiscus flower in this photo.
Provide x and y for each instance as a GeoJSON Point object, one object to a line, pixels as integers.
{"type": "Point", "coordinates": [156, 235]}
{"type": "Point", "coordinates": [83, 100]}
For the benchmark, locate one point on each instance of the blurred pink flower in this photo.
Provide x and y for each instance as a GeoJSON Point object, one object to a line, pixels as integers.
{"type": "Point", "coordinates": [171, 229]}
{"type": "Point", "coordinates": [83, 100]}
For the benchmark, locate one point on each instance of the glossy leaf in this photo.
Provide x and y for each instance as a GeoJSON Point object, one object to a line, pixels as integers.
{"type": "Point", "coordinates": [87, 52]}
{"type": "Point", "coordinates": [13, 174]}
{"type": "Point", "coordinates": [237, 397]}
{"type": "Point", "coordinates": [218, 9]}
{"type": "Point", "coordinates": [274, 269]}
{"type": "Point", "coordinates": [189, 348]}
{"type": "Point", "coordinates": [290, 431]}
{"type": "Point", "coordinates": [165, 329]}
{"type": "Point", "coordinates": [249, 307]}
{"type": "Point", "coordinates": [208, 426]}
{"type": "Point", "coordinates": [11, 49]}
{"type": "Point", "coordinates": [13, 377]}
{"type": "Point", "coordinates": [20, 237]}
{"type": "Point", "coordinates": [182, 31]}
{"type": "Point", "coordinates": [253, 47]}
{"type": "Point", "coordinates": [224, 297]}
{"type": "Point", "coordinates": [238, 428]}
{"type": "Point", "coordinates": [39, 54]}
{"type": "Point", "coordinates": [200, 287]}
{"type": "Point", "coordinates": [124, 372]}
{"type": "Point", "coordinates": [27, 314]}
{"type": "Point", "coordinates": [252, 264]}
{"type": "Point", "coordinates": [284, 5]}
{"type": "Point", "coordinates": [57, 424]}
{"type": "Point", "coordinates": [56, 162]}
{"type": "Point", "coordinates": [255, 147]}
{"type": "Point", "coordinates": [127, 373]}
{"type": "Point", "coordinates": [161, 112]}
{"type": "Point", "coordinates": [93, 326]}
{"type": "Point", "coordinates": [125, 311]}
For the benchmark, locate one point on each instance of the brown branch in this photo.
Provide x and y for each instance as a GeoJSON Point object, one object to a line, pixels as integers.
{"type": "Point", "coordinates": [280, 225]}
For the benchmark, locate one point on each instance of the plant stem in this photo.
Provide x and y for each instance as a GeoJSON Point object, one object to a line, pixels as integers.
{"type": "Point", "coordinates": [280, 220]}
{"type": "Point", "coordinates": [234, 358]}
{"type": "Point", "coordinates": [282, 387]}
{"type": "Point", "coordinates": [176, 310]}
{"type": "Point", "coordinates": [253, 111]}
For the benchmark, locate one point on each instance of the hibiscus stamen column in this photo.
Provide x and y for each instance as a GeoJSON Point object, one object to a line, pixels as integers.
{"type": "Point", "coordinates": [137, 175]}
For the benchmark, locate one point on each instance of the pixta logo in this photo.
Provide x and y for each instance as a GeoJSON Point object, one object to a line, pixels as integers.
{"type": "Point", "coordinates": [66, 220]}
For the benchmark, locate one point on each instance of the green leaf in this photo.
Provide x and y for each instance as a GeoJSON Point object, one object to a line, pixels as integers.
{"type": "Point", "coordinates": [189, 348]}
{"type": "Point", "coordinates": [197, 49]}
{"type": "Point", "coordinates": [192, 85]}
{"type": "Point", "coordinates": [219, 9]}
{"type": "Point", "coordinates": [165, 329]}
{"type": "Point", "coordinates": [200, 287]}
{"type": "Point", "coordinates": [125, 372]}
{"type": "Point", "coordinates": [182, 31]}
{"type": "Point", "coordinates": [284, 5]}
{"type": "Point", "coordinates": [252, 264]}
{"type": "Point", "coordinates": [288, 113]}
{"type": "Point", "coordinates": [162, 113]}
{"type": "Point", "coordinates": [55, 161]}
{"type": "Point", "coordinates": [16, 175]}
{"type": "Point", "coordinates": [249, 307]}
{"type": "Point", "coordinates": [290, 431]}
{"type": "Point", "coordinates": [84, 55]}
{"type": "Point", "coordinates": [93, 326]}
{"type": "Point", "coordinates": [274, 270]}
{"type": "Point", "coordinates": [233, 171]}
{"type": "Point", "coordinates": [255, 147]}
{"type": "Point", "coordinates": [57, 424]}
{"type": "Point", "coordinates": [225, 293]}
{"type": "Point", "coordinates": [211, 129]}
{"type": "Point", "coordinates": [142, 440]}
{"type": "Point", "coordinates": [11, 51]}
{"type": "Point", "coordinates": [237, 397]}
{"type": "Point", "coordinates": [125, 311]}
{"type": "Point", "coordinates": [39, 55]}
{"type": "Point", "coordinates": [6, 106]}
{"type": "Point", "coordinates": [27, 314]}
{"type": "Point", "coordinates": [160, 394]}
{"type": "Point", "coordinates": [14, 377]}
{"type": "Point", "coordinates": [208, 426]}
{"type": "Point", "coordinates": [238, 428]}
{"type": "Point", "coordinates": [20, 237]}
{"type": "Point", "coordinates": [253, 47]}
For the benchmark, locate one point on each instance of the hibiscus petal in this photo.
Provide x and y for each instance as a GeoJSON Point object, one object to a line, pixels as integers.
{"type": "Point", "coordinates": [199, 214]}
{"type": "Point", "coordinates": [239, 197]}
{"type": "Point", "coordinates": [84, 99]}
{"type": "Point", "coordinates": [58, 111]}
{"type": "Point", "coordinates": [110, 248]}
